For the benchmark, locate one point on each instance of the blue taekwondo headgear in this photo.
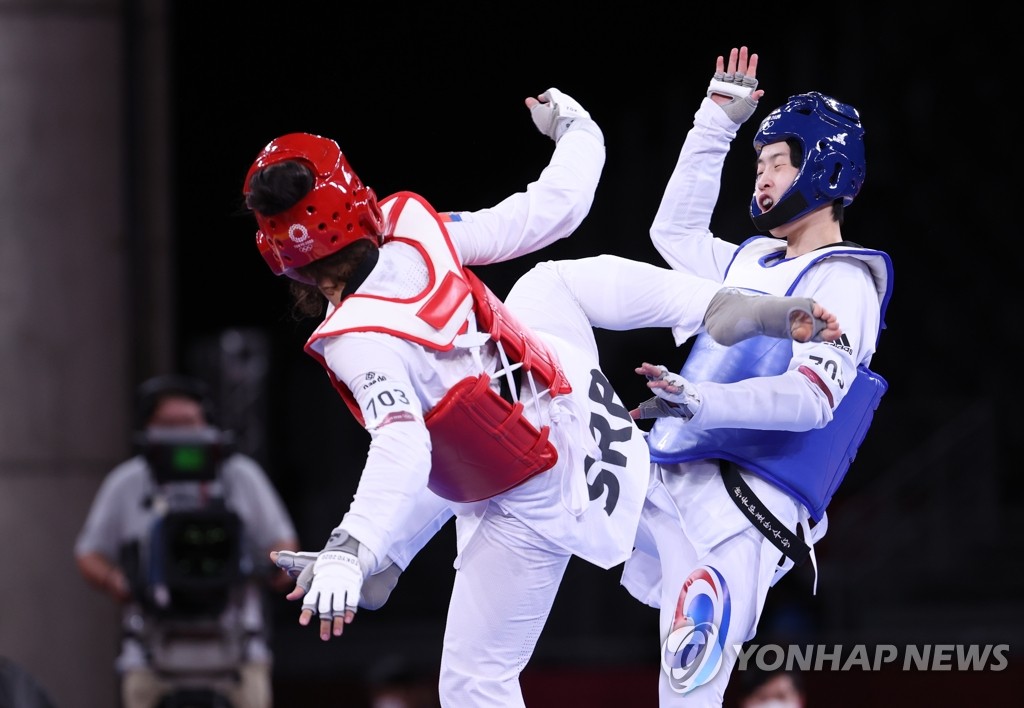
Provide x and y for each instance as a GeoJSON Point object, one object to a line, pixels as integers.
{"type": "Point", "coordinates": [833, 155]}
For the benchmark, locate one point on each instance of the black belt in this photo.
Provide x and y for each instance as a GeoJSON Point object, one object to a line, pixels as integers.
{"type": "Point", "coordinates": [759, 515]}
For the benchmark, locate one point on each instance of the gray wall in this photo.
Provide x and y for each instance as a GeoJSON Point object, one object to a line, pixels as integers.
{"type": "Point", "coordinates": [69, 338]}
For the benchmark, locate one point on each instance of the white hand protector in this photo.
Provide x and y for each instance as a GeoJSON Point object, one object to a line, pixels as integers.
{"type": "Point", "coordinates": [739, 86]}
{"type": "Point", "coordinates": [376, 588]}
{"type": "Point", "coordinates": [675, 397]}
{"type": "Point", "coordinates": [337, 578]}
{"type": "Point", "coordinates": [555, 113]}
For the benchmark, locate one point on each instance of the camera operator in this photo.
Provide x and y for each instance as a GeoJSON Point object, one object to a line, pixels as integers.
{"type": "Point", "coordinates": [180, 534]}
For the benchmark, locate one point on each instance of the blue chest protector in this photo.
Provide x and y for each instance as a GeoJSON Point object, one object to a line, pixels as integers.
{"type": "Point", "coordinates": [808, 465]}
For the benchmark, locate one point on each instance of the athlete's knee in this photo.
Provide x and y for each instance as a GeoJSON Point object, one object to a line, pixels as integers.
{"type": "Point", "coordinates": [534, 283]}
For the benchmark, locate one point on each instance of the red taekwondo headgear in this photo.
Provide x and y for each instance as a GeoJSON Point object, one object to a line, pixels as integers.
{"type": "Point", "coordinates": [339, 210]}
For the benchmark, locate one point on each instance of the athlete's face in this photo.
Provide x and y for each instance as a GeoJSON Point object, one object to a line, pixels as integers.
{"type": "Point", "coordinates": [775, 174]}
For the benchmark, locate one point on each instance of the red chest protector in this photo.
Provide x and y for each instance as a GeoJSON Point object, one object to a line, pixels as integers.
{"type": "Point", "coordinates": [482, 444]}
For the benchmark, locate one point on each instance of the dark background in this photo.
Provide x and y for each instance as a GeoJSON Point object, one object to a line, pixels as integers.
{"type": "Point", "coordinates": [431, 101]}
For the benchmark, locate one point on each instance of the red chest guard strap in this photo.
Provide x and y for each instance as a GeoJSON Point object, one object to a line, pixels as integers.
{"type": "Point", "coordinates": [520, 343]}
